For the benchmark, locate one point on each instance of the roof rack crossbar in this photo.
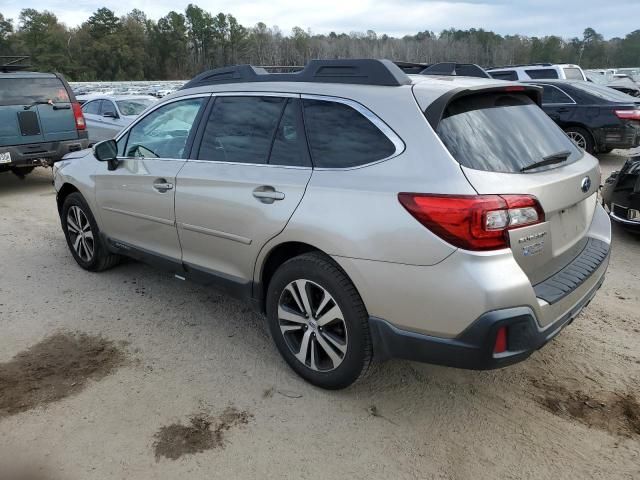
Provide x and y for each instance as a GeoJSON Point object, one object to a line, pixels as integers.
{"type": "Point", "coordinates": [358, 71]}
{"type": "Point", "coordinates": [12, 63]}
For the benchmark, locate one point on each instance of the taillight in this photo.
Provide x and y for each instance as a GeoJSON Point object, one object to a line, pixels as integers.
{"type": "Point", "coordinates": [473, 222]}
{"type": "Point", "coordinates": [628, 114]}
{"type": "Point", "coordinates": [77, 113]}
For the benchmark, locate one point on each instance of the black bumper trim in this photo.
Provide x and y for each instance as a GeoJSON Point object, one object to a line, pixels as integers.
{"type": "Point", "coordinates": [564, 282]}
{"type": "Point", "coordinates": [473, 348]}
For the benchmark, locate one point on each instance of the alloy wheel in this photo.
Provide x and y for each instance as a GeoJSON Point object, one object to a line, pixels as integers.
{"type": "Point", "coordinates": [578, 139]}
{"type": "Point", "coordinates": [80, 233]}
{"type": "Point", "coordinates": [312, 325]}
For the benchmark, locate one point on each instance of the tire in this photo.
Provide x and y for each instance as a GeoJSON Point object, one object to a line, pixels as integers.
{"type": "Point", "coordinates": [22, 172]}
{"type": "Point", "coordinates": [605, 150]}
{"type": "Point", "coordinates": [582, 138]}
{"type": "Point", "coordinates": [346, 332]}
{"type": "Point", "coordinates": [87, 250]}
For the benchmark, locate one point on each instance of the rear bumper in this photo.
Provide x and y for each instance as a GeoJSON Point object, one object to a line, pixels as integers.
{"type": "Point", "coordinates": [473, 348]}
{"type": "Point", "coordinates": [44, 153]}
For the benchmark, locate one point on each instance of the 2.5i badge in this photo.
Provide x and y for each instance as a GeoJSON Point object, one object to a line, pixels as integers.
{"type": "Point", "coordinates": [5, 157]}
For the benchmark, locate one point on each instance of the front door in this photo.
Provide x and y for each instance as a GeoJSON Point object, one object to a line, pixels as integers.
{"type": "Point", "coordinates": [136, 200]}
{"type": "Point", "coordinates": [250, 174]}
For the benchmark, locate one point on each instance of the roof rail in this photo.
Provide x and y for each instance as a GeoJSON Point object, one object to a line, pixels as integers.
{"type": "Point", "coordinates": [13, 63]}
{"type": "Point", "coordinates": [358, 71]}
{"type": "Point", "coordinates": [453, 69]}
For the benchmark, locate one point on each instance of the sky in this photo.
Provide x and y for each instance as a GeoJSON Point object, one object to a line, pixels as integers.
{"type": "Point", "coordinates": [565, 18]}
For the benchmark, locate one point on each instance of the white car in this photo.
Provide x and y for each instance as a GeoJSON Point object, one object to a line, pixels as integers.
{"type": "Point", "coordinates": [538, 71]}
{"type": "Point", "coordinates": [107, 115]}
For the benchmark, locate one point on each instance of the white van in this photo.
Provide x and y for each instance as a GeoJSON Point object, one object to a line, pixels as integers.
{"type": "Point", "coordinates": [538, 71]}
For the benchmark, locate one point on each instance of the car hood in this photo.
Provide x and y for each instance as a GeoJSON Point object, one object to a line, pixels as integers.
{"type": "Point", "coordinates": [78, 154]}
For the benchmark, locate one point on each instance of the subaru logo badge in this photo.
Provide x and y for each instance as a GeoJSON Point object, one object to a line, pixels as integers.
{"type": "Point", "coordinates": [585, 186]}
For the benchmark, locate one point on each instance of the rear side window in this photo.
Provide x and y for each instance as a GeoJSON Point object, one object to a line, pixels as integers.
{"type": "Point", "coordinates": [553, 95]}
{"type": "Point", "coordinates": [573, 74]}
{"type": "Point", "coordinates": [502, 133]}
{"type": "Point", "coordinates": [341, 137]}
{"type": "Point", "coordinates": [241, 129]}
{"type": "Point", "coordinates": [25, 91]}
{"type": "Point", "coordinates": [505, 75]}
{"type": "Point", "coordinates": [542, 73]}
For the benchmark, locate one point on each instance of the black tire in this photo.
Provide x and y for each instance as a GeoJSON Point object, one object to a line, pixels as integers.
{"type": "Point", "coordinates": [22, 172]}
{"type": "Point", "coordinates": [589, 144]}
{"type": "Point", "coordinates": [323, 272]}
{"type": "Point", "coordinates": [100, 258]}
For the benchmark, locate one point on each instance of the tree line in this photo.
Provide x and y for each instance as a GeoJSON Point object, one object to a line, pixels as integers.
{"type": "Point", "coordinates": [179, 45]}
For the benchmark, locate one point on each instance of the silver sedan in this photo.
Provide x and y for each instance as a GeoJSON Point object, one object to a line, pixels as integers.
{"type": "Point", "coordinates": [107, 115]}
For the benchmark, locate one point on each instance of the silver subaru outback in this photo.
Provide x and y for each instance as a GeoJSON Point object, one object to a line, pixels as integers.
{"type": "Point", "coordinates": [366, 212]}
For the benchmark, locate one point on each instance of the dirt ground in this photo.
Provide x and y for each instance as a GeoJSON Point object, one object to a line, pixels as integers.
{"type": "Point", "coordinates": [130, 374]}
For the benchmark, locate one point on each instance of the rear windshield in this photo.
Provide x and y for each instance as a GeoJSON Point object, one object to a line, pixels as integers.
{"type": "Point", "coordinates": [24, 91]}
{"type": "Point", "coordinates": [604, 93]}
{"type": "Point", "coordinates": [502, 133]}
{"type": "Point", "coordinates": [573, 73]}
{"type": "Point", "coordinates": [542, 73]}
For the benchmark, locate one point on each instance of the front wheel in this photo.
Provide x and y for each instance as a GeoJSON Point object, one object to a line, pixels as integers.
{"type": "Point", "coordinates": [82, 234]}
{"type": "Point", "coordinates": [318, 321]}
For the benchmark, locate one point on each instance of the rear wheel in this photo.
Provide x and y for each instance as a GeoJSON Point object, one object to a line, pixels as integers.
{"type": "Point", "coordinates": [22, 172]}
{"type": "Point", "coordinates": [581, 138]}
{"type": "Point", "coordinates": [318, 321]}
{"type": "Point", "coordinates": [83, 236]}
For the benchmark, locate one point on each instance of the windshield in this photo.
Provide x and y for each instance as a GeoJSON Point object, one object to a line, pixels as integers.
{"type": "Point", "coordinates": [502, 133]}
{"type": "Point", "coordinates": [605, 93]}
{"type": "Point", "coordinates": [133, 107]}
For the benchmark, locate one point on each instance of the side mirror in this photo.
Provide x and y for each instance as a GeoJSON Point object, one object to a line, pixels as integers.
{"type": "Point", "coordinates": [110, 115]}
{"type": "Point", "coordinates": [107, 151]}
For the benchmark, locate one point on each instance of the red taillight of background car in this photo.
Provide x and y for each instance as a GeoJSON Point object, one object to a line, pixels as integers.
{"type": "Point", "coordinates": [628, 114]}
{"type": "Point", "coordinates": [77, 113]}
{"type": "Point", "coordinates": [473, 222]}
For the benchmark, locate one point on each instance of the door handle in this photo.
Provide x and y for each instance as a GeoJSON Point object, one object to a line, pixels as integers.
{"type": "Point", "coordinates": [162, 186]}
{"type": "Point", "coordinates": [267, 194]}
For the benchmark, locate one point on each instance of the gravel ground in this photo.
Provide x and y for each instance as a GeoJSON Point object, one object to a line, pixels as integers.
{"type": "Point", "coordinates": [131, 374]}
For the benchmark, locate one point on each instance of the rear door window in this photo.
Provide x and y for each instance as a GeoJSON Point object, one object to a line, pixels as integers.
{"type": "Point", "coordinates": [500, 132]}
{"type": "Point", "coordinates": [241, 129]}
{"type": "Point", "coordinates": [25, 91]}
{"type": "Point", "coordinates": [505, 75]}
{"type": "Point", "coordinates": [341, 137]}
{"type": "Point", "coordinates": [542, 73]}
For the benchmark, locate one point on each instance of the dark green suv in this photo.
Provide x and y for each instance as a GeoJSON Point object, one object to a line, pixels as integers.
{"type": "Point", "coordinates": [40, 120]}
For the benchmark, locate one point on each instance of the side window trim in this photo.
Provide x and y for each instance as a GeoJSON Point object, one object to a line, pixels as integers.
{"type": "Point", "coordinates": [196, 124]}
{"type": "Point", "coordinates": [386, 130]}
{"type": "Point", "coordinates": [197, 141]}
{"type": "Point", "coordinates": [573, 102]}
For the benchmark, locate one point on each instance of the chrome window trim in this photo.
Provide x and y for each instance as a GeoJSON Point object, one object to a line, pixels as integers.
{"type": "Point", "coordinates": [562, 91]}
{"type": "Point", "coordinates": [147, 113]}
{"type": "Point", "coordinates": [221, 162]}
{"type": "Point", "coordinates": [386, 130]}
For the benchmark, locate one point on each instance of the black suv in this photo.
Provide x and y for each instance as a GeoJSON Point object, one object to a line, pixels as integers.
{"type": "Point", "coordinates": [40, 120]}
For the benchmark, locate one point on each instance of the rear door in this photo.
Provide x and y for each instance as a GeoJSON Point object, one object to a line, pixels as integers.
{"type": "Point", "coordinates": [249, 176]}
{"type": "Point", "coordinates": [494, 136]}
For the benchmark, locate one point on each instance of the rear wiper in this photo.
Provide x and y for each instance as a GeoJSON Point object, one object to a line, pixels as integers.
{"type": "Point", "coordinates": [554, 158]}
{"type": "Point", "coordinates": [47, 102]}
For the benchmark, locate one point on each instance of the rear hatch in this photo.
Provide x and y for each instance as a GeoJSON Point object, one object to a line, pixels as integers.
{"type": "Point", "coordinates": [35, 110]}
{"type": "Point", "coordinates": [498, 137]}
